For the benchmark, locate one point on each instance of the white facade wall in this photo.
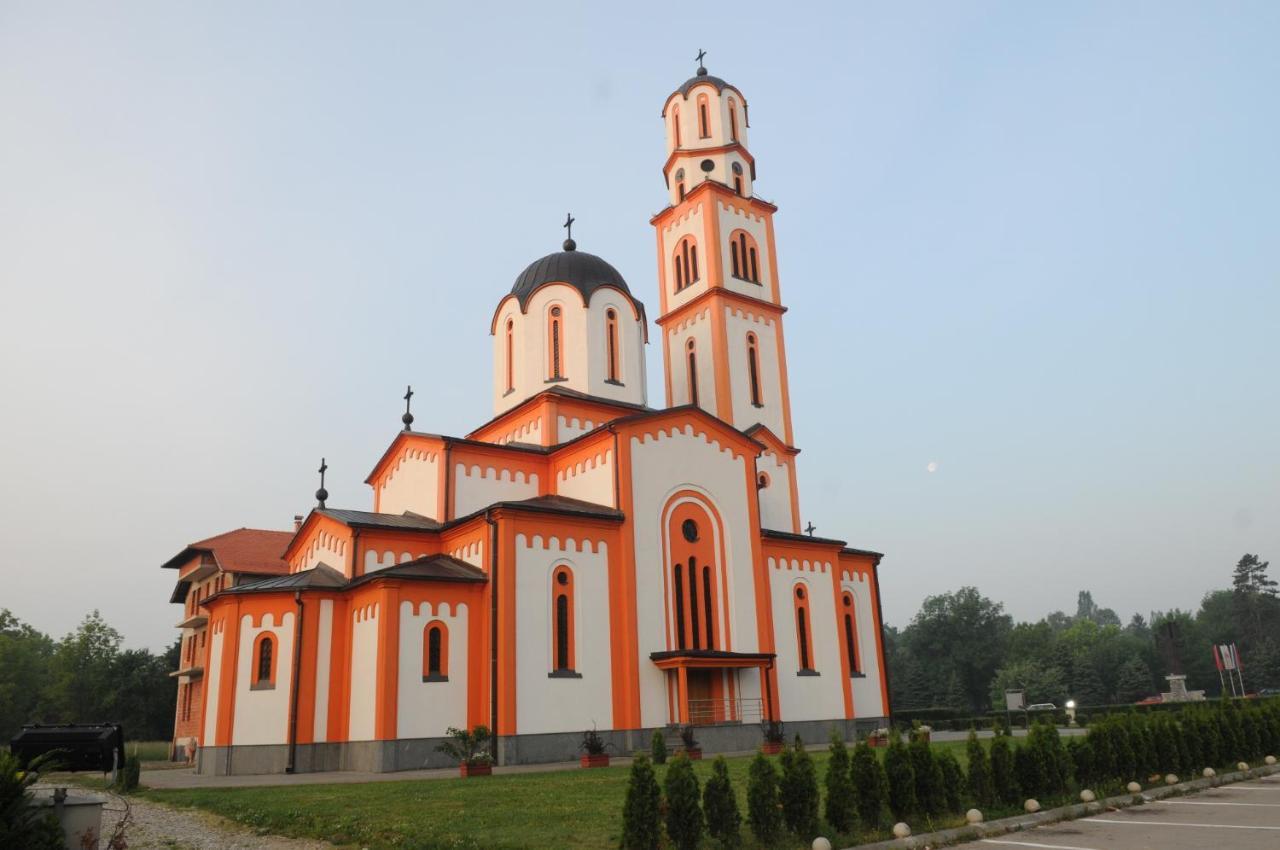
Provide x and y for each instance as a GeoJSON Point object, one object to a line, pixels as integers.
{"type": "Point", "coordinates": [745, 414]}
{"type": "Point", "coordinates": [719, 126]}
{"type": "Point", "coordinates": [379, 560]}
{"type": "Point", "coordinates": [327, 549]}
{"type": "Point", "coordinates": [775, 500]}
{"type": "Point", "coordinates": [212, 684]}
{"type": "Point", "coordinates": [818, 697]}
{"type": "Point", "coordinates": [427, 709]}
{"type": "Point", "coordinates": [545, 704]}
{"type": "Point", "coordinates": [868, 701]}
{"type": "Point", "coordinates": [730, 221]}
{"type": "Point", "coordinates": [413, 484]}
{"type": "Point", "coordinates": [568, 427]}
{"type": "Point", "coordinates": [364, 673]}
{"type": "Point", "coordinates": [687, 460]}
{"type": "Point", "coordinates": [631, 386]}
{"type": "Point", "coordinates": [692, 224]}
{"type": "Point", "coordinates": [324, 654]}
{"type": "Point", "coordinates": [476, 487]}
{"type": "Point", "coordinates": [262, 716]}
{"type": "Point", "coordinates": [698, 328]}
{"type": "Point", "coordinates": [590, 479]}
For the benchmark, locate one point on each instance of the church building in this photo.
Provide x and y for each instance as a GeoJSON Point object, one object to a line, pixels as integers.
{"type": "Point", "coordinates": [581, 560]}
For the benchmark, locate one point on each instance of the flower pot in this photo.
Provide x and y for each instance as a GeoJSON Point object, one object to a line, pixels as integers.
{"type": "Point", "coordinates": [601, 760]}
{"type": "Point", "coordinates": [771, 748]}
{"type": "Point", "coordinates": [877, 742]}
{"type": "Point", "coordinates": [476, 769]}
{"type": "Point", "coordinates": [694, 754]}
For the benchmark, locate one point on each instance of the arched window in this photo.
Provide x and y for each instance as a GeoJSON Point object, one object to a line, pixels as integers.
{"type": "Point", "coordinates": [511, 355]}
{"type": "Point", "coordinates": [804, 634]}
{"type": "Point", "coordinates": [675, 122]}
{"type": "Point", "coordinates": [686, 263]}
{"type": "Point", "coordinates": [435, 652]}
{"type": "Point", "coordinates": [611, 344]}
{"type": "Point", "coordinates": [744, 260]}
{"type": "Point", "coordinates": [555, 333]}
{"type": "Point", "coordinates": [680, 183]}
{"type": "Point", "coordinates": [708, 606]}
{"type": "Point", "coordinates": [733, 121]}
{"type": "Point", "coordinates": [753, 369]}
{"type": "Point", "coordinates": [704, 118]}
{"type": "Point", "coordinates": [265, 665]}
{"type": "Point", "coordinates": [851, 637]}
{"type": "Point", "coordinates": [693, 372]}
{"type": "Point", "coordinates": [693, 603]}
{"type": "Point", "coordinates": [737, 178]}
{"type": "Point", "coordinates": [677, 574]}
{"type": "Point", "coordinates": [563, 650]}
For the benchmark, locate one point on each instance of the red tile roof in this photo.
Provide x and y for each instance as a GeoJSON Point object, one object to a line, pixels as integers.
{"type": "Point", "coordinates": [245, 550]}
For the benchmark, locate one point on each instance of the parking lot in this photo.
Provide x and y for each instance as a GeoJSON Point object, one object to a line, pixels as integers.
{"type": "Point", "coordinates": [1243, 816]}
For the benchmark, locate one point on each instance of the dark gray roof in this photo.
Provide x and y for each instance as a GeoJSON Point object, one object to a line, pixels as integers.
{"type": "Point", "coordinates": [564, 505]}
{"type": "Point", "coordinates": [368, 519]}
{"type": "Point", "coordinates": [319, 576]}
{"type": "Point", "coordinates": [428, 568]}
{"type": "Point", "coordinates": [584, 272]}
{"type": "Point", "coordinates": [703, 77]}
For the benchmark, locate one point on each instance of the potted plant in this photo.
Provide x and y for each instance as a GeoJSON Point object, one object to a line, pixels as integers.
{"type": "Point", "coordinates": [922, 733]}
{"type": "Point", "coordinates": [594, 748]}
{"type": "Point", "coordinates": [878, 738]}
{"type": "Point", "coordinates": [774, 737]}
{"type": "Point", "coordinates": [691, 747]}
{"type": "Point", "coordinates": [470, 750]}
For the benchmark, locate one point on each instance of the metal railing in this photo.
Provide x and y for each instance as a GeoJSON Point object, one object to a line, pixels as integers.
{"type": "Point", "coordinates": [704, 712]}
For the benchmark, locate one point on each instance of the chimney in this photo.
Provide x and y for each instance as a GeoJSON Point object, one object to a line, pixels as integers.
{"type": "Point", "coordinates": [297, 521]}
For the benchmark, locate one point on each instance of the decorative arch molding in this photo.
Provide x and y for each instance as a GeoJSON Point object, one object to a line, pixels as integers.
{"type": "Point", "coordinates": [557, 544]}
{"type": "Point", "coordinates": [686, 611]}
{"type": "Point", "coordinates": [624, 297]}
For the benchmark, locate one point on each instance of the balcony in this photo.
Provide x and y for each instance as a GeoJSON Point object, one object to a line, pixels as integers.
{"type": "Point", "coordinates": [193, 621]}
{"type": "Point", "coordinates": [705, 712]}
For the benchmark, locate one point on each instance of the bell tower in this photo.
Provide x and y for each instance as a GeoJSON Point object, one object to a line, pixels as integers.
{"type": "Point", "coordinates": [721, 311]}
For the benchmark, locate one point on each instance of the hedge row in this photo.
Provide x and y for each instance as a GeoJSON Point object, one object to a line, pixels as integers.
{"type": "Point", "coordinates": [958, 721]}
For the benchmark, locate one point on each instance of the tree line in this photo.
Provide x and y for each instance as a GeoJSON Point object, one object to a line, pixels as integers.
{"type": "Point", "coordinates": [962, 651]}
{"type": "Point", "coordinates": [86, 677]}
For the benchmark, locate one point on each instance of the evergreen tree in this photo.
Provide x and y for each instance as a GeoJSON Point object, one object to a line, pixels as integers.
{"type": "Point", "coordinates": [930, 797]}
{"type": "Point", "coordinates": [841, 808]}
{"type": "Point", "coordinates": [1003, 777]}
{"type": "Point", "coordinates": [1029, 770]}
{"type": "Point", "coordinates": [980, 785]}
{"type": "Point", "coordinates": [1133, 682]}
{"type": "Point", "coordinates": [799, 790]}
{"type": "Point", "coordinates": [764, 806]}
{"type": "Point", "coordinates": [721, 807]}
{"type": "Point", "coordinates": [684, 816]}
{"type": "Point", "coordinates": [1123, 757]}
{"type": "Point", "coordinates": [900, 778]}
{"type": "Point", "coordinates": [1086, 684]}
{"type": "Point", "coordinates": [641, 817]}
{"type": "Point", "coordinates": [868, 785]}
{"type": "Point", "coordinates": [952, 780]}
{"type": "Point", "coordinates": [1081, 755]}
{"type": "Point", "coordinates": [658, 747]}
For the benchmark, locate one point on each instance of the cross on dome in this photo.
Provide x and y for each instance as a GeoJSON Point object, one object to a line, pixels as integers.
{"type": "Point", "coordinates": [569, 244]}
{"type": "Point", "coordinates": [702, 69]}
{"type": "Point", "coordinates": [322, 494]}
{"type": "Point", "coordinates": [407, 419]}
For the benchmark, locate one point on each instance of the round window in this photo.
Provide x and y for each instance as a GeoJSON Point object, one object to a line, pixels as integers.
{"type": "Point", "coordinates": [799, 593]}
{"type": "Point", "coordinates": [562, 578]}
{"type": "Point", "coordinates": [689, 529]}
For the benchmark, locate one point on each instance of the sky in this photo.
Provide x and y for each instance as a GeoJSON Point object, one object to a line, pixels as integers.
{"type": "Point", "coordinates": [1032, 244]}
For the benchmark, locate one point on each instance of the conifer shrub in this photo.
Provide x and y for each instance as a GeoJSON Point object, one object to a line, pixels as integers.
{"type": "Point", "coordinates": [1052, 756]}
{"type": "Point", "coordinates": [684, 815]}
{"type": "Point", "coordinates": [979, 778]}
{"type": "Point", "coordinates": [1003, 778]}
{"type": "Point", "coordinates": [930, 798]}
{"type": "Point", "coordinates": [1210, 740]}
{"type": "Point", "coordinates": [952, 781]}
{"type": "Point", "coordinates": [1124, 758]}
{"type": "Point", "coordinates": [841, 808]}
{"type": "Point", "coordinates": [720, 805]}
{"type": "Point", "coordinates": [658, 747]}
{"type": "Point", "coordinates": [1027, 767]}
{"type": "Point", "coordinates": [764, 806]}
{"type": "Point", "coordinates": [868, 785]}
{"type": "Point", "coordinates": [641, 817]}
{"type": "Point", "coordinates": [1182, 743]}
{"type": "Point", "coordinates": [1140, 739]}
{"type": "Point", "coordinates": [1080, 751]}
{"type": "Point", "coordinates": [900, 778]}
{"type": "Point", "coordinates": [1167, 745]}
{"type": "Point", "coordinates": [1229, 745]}
{"type": "Point", "coordinates": [1252, 735]}
{"type": "Point", "coordinates": [799, 789]}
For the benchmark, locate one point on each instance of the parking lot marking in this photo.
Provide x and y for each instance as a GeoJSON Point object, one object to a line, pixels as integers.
{"type": "Point", "coordinates": [1033, 844]}
{"type": "Point", "coordinates": [1272, 787]}
{"type": "Point", "coordinates": [1172, 823]}
{"type": "Point", "coordinates": [1193, 803]}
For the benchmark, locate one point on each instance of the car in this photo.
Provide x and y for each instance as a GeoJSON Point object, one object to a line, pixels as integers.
{"type": "Point", "coordinates": [1042, 706]}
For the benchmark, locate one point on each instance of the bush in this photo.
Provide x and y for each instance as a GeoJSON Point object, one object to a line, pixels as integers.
{"type": "Point", "coordinates": [799, 790]}
{"type": "Point", "coordinates": [841, 809]}
{"type": "Point", "coordinates": [1047, 749]}
{"type": "Point", "coordinates": [900, 778]}
{"type": "Point", "coordinates": [764, 807]}
{"type": "Point", "coordinates": [130, 774]}
{"type": "Point", "coordinates": [930, 797]}
{"type": "Point", "coordinates": [470, 748]}
{"type": "Point", "coordinates": [1027, 768]}
{"type": "Point", "coordinates": [641, 818]}
{"type": "Point", "coordinates": [1123, 756]}
{"type": "Point", "coordinates": [1003, 778]}
{"type": "Point", "coordinates": [684, 817]}
{"type": "Point", "coordinates": [1081, 755]}
{"type": "Point", "coordinates": [868, 785]}
{"type": "Point", "coordinates": [658, 747]}
{"type": "Point", "coordinates": [721, 806]}
{"type": "Point", "coordinates": [20, 824]}
{"type": "Point", "coordinates": [979, 779]}
{"type": "Point", "coordinates": [952, 780]}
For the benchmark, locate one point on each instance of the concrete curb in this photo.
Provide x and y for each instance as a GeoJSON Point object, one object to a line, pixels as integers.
{"type": "Point", "coordinates": [1004, 826]}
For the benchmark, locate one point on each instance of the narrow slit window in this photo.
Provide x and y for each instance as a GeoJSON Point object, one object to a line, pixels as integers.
{"type": "Point", "coordinates": [677, 574]}
{"type": "Point", "coordinates": [753, 370]}
{"type": "Point", "coordinates": [557, 367]}
{"type": "Point", "coordinates": [265, 649]}
{"type": "Point", "coordinates": [733, 121]}
{"type": "Point", "coordinates": [693, 374]}
{"type": "Point", "coordinates": [562, 632]}
{"type": "Point", "coordinates": [755, 273]}
{"type": "Point", "coordinates": [675, 123]}
{"type": "Point", "coordinates": [693, 603]}
{"type": "Point", "coordinates": [801, 627]}
{"type": "Point", "coordinates": [611, 342]}
{"type": "Point", "coordinates": [707, 616]}
{"type": "Point", "coordinates": [511, 357]}
{"type": "Point", "coordinates": [704, 125]}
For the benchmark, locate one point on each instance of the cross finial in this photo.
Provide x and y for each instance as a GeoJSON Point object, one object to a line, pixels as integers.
{"type": "Point", "coordinates": [407, 419]}
{"type": "Point", "coordinates": [810, 529]}
{"type": "Point", "coordinates": [701, 68]}
{"type": "Point", "coordinates": [569, 244]}
{"type": "Point", "coordinates": [322, 494]}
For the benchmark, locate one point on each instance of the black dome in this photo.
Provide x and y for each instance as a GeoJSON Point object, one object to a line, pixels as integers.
{"type": "Point", "coordinates": [703, 77]}
{"type": "Point", "coordinates": [584, 272]}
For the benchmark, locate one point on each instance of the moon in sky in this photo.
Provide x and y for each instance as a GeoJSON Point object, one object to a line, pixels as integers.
{"type": "Point", "coordinates": [933, 466]}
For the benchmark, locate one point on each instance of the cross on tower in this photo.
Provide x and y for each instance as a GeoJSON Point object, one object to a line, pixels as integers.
{"type": "Point", "coordinates": [569, 244]}
{"type": "Point", "coordinates": [701, 54]}
{"type": "Point", "coordinates": [407, 419]}
{"type": "Point", "coordinates": [810, 529]}
{"type": "Point", "coordinates": [322, 493]}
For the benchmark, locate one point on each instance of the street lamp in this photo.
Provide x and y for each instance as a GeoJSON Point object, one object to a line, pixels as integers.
{"type": "Point", "coordinates": [1071, 712]}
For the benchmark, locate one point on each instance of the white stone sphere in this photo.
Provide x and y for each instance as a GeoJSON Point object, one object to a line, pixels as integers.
{"type": "Point", "coordinates": [1242, 765]}
{"type": "Point", "coordinates": [1032, 806]}
{"type": "Point", "coordinates": [1270, 760]}
{"type": "Point", "coordinates": [973, 816]}
{"type": "Point", "coordinates": [1209, 773]}
{"type": "Point", "coordinates": [1170, 779]}
{"type": "Point", "coordinates": [821, 843]}
{"type": "Point", "coordinates": [901, 830]}
{"type": "Point", "coordinates": [1087, 796]}
{"type": "Point", "coordinates": [1134, 788]}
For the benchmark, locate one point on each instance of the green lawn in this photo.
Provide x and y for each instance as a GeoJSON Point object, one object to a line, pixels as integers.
{"type": "Point", "coordinates": [562, 809]}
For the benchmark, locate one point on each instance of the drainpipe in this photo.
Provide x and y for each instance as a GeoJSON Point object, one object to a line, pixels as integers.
{"type": "Point", "coordinates": [884, 664]}
{"type": "Point", "coordinates": [493, 633]}
{"type": "Point", "coordinates": [297, 679]}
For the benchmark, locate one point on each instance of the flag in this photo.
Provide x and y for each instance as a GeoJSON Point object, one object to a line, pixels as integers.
{"type": "Point", "coordinates": [1217, 658]}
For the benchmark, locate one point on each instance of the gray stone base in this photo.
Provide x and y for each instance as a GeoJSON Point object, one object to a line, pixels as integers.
{"type": "Point", "coordinates": [420, 753]}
